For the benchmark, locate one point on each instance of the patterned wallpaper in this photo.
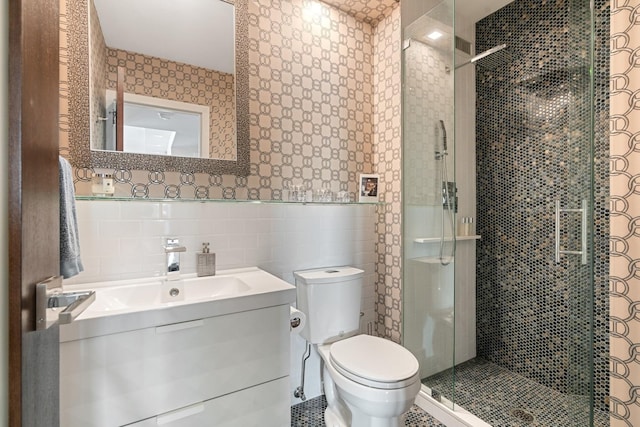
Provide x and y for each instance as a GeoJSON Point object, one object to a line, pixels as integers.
{"type": "Point", "coordinates": [63, 105]}
{"type": "Point", "coordinates": [311, 97]}
{"type": "Point", "coordinates": [388, 163]}
{"type": "Point", "coordinates": [310, 110]}
{"type": "Point", "coordinates": [161, 78]}
{"type": "Point", "coordinates": [624, 282]}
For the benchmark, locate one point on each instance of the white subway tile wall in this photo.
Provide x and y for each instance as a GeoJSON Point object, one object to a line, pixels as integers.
{"type": "Point", "coordinates": [124, 239]}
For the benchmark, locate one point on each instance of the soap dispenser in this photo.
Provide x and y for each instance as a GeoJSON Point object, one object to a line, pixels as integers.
{"type": "Point", "coordinates": [206, 262]}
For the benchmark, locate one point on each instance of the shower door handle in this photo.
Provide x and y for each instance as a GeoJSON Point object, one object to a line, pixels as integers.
{"type": "Point", "coordinates": [583, 232]}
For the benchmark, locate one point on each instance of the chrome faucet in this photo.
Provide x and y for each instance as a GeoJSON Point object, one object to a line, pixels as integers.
{"type": "Point", "coordinates": [173, 249]}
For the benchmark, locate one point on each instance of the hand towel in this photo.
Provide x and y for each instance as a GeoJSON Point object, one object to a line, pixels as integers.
{"type": "Point", "coordinates": [70, 263]}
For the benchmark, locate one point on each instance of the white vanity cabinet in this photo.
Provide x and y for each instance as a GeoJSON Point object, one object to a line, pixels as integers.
{"type": "Point", "coordinates": [261, 405]}
{"type": "Point", "coordinates": [226, 370]}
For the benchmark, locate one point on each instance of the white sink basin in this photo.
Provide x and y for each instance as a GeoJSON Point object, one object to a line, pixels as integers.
{"type": "Point", "coordinates": [159, 293]}
{"type": "Point", "coordinates": [134, 304]}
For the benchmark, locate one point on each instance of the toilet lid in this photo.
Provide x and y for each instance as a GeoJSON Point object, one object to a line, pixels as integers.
{"type": "Point", "coordinates": [374, 361]}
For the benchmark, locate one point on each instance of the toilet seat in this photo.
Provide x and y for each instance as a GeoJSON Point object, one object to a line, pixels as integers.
{"type": "Point", "coordinates": [374, 362]}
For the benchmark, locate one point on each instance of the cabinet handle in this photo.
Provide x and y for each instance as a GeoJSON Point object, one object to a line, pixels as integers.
{"type": "Point", "coordinates": [179, 414]}
{"type": "Point", "coordinates": [179, 326]}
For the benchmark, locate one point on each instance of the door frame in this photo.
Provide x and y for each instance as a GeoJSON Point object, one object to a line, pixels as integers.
{"type": "Point", "coordinates": [33, 207]}
{"type": "Point", "coordinates": [4, 199]}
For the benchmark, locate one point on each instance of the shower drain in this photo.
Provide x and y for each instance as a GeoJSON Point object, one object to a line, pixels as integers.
{"type": "Point", "coordinates": [522, 415]}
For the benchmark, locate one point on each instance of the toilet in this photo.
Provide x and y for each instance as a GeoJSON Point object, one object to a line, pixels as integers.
{"type": "Point", "coordinates": [368, 381]}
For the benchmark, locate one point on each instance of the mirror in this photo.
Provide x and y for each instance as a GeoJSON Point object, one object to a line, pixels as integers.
{"type": "Point", "coordinates": [166, 72]}
{"type": "Point", "coordinates": [169, 63]}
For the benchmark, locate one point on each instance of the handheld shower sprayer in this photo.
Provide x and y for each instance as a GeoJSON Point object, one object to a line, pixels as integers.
{"type": "Point", "coordinates": [444, 137]}
{"type": "Point", "coordinates": [447, 199]}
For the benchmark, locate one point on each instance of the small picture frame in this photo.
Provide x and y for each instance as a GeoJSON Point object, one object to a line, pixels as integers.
{"type": "Point", "coordinates": [368, 188]}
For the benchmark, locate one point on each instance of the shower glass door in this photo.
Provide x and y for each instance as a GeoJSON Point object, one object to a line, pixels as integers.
{"type": "Point", "coordinates": [534, 149]}
{"type": "Point", "coordinates": [429, 196]}
{"type": "Point", "coordinates": [575, 229]}
{"type": "Point", "coordinates": [533, 298]}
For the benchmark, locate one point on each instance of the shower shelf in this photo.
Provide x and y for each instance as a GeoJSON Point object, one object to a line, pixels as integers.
{"type": "Point", "coordinates": [448, 239]}
{"type": "Point", "coordinates": [433, 259]}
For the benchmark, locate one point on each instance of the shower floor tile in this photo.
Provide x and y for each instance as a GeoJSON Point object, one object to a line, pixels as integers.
{"type": "Point", "coordinates": [506, 399]}
{"type": "Point", "coordinates": [311, 414]}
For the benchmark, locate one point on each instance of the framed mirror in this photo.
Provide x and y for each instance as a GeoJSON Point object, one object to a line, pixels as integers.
{"type": "Point", "coordinates": [111, 41]}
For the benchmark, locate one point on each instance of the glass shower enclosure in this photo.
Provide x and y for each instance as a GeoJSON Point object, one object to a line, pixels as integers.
{"type": "Point", "coordinates": [513, 303]}
{"type": "Point", "coordinates": [429, 194]}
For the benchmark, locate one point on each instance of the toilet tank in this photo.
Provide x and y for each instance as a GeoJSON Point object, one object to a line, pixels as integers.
{"type": "Point", "coordinates": [330, 298]}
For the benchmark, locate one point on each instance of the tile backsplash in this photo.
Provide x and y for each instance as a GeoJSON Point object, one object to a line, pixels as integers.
{"type": "Point", "coordinates": [124, 239]}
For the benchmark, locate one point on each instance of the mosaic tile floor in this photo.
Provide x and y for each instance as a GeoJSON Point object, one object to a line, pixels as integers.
{"type": "Point", "coordinates": [505, 399]}
{"type": "Point", "coordinates": [311, 414]}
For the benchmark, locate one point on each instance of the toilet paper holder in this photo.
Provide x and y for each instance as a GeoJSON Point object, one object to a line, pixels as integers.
{"type": "Point", "coordinates": [295, 322]}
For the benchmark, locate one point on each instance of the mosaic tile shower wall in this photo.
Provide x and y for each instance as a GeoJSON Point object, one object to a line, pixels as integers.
{"type": "Point", "coordinates": [601, 219]}
{"type": "Point", "coordinates": [527, 158]}
{"type": "Point", "coordinates": [388, 163]}
{"type": "Point", "coordinates": [625, 213]}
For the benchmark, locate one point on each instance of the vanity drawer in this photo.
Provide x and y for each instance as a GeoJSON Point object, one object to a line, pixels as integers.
{"type": "Point", "coordinates": [118, 379]}
{"type": "Point", "coordinates": [261, 405]}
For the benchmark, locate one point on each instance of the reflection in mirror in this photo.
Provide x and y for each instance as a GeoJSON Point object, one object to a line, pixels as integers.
{"type": "Point", "coordinates": [93, 69]}
{"type": "Point", "coordinates": [158, 126]}
{"type": "Point", "coordinates": [164, 50]}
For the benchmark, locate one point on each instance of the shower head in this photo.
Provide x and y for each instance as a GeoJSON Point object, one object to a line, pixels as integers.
{"type": "Point", "coordinates": [491, 59]}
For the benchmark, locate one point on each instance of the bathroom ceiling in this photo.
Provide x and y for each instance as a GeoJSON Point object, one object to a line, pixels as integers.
{"type": "Point", "coordinates": [475, 10]}
{"type": "Point", "coordinates": [373, 11]}
{"type": "Point", "coordinates": [369, 11]}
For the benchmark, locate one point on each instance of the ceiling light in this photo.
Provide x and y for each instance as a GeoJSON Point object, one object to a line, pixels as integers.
{"type": "Point", "coordinates": [435, 35]}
